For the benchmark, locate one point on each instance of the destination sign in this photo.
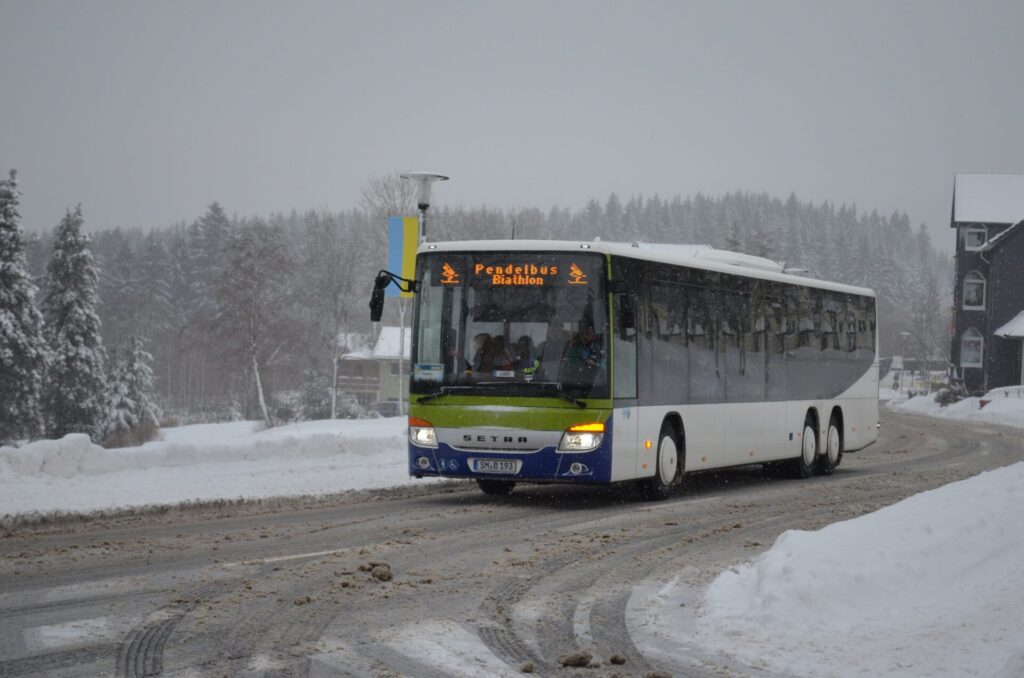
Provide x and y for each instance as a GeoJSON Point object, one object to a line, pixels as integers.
{"type": "Point", "coordinates": [515, 270]}
{"type": "Point", "coordinates": [517, 274]}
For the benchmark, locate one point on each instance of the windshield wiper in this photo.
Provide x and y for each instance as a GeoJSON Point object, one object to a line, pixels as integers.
{"type": "Point", "coordinates": [545, 388]}
{"type": "Point", "coordinates": [555, 389]}
{"type": "Point", "coordinates": [444, 390]}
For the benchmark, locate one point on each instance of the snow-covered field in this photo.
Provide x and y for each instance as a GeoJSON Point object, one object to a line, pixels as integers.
{"type": "Point", "coordinates": [204, 462]}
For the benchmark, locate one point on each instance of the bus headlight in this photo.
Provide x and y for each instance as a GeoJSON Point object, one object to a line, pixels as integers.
{"type": "Point", "coordinates": [421, 432]}
{"type": "Point", "coordinates": [582, 438]}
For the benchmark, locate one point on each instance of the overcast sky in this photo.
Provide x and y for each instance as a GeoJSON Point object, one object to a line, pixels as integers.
{"type": "Point", "coordinates": [145, 112]}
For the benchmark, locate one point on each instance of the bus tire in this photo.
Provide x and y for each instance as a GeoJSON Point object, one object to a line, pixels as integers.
{"type": "Point", "coordinates": [832, 455]}
{"type": "Point", "coordinates": [666, 466]}
{"type": "Point", "coordinates": [803, 465]}
{"type": "Point", "coordinates": [495, 488]}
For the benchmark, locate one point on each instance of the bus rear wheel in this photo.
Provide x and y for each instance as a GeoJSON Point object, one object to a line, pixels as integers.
{"type": "Point", "coordinates": [495, 488]}
{"type": "Point", "coordinates": [666, 469]}
{"type": "Point", "coordinates": [803, 466]}
{"type": "Point", "coordinates": [833, 453]}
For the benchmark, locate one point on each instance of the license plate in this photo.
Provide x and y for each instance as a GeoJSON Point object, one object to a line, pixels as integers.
{"type": "Point", "coordinates": [507, 466]}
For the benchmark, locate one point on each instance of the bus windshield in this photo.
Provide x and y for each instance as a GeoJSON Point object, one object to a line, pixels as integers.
{"type": "Point", "coordinates": [511, 323]}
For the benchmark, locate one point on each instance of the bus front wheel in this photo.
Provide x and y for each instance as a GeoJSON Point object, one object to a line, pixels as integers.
{"type": "Point", "coordinates": [495, 488]}
{"type": "Point", "coordinates": [666, 465]}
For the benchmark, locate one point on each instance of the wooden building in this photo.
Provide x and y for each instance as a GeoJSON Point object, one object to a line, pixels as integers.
{"type": "Point", "coordinates": [988, 311]}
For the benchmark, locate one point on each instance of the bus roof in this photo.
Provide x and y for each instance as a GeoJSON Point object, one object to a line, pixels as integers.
{"type": "Point", "coordinates": [693, 256]}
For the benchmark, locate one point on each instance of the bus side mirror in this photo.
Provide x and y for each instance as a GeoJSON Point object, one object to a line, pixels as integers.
{"type": "Point", "coordinates": [377, 298]}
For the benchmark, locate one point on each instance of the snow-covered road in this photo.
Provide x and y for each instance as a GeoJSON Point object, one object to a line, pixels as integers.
{"type": "Point", "coordinates": [480, 586]}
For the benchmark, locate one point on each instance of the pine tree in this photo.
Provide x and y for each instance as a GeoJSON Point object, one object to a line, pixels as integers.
{"type": "Point", "coordinates": [207, 241]}
{"type": "Point", "coordinates": [75, 383]}
{"type": "Point", "coordinates": [131, 415]}
{"type": "Point", "coordinates": [120, 417]}
{"type": "Point", "coordinates": [140, 382]}
{"type": "Point", "coordinates": [153, 288]}
{"type": "Point", "coordinates": [118, 308]}
{"type": "Point", "coordinates": [22, 345]}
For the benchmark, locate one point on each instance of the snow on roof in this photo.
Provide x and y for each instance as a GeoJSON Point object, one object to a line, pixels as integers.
{"type": "Point", "coordinates": [386, 347]}
{"type": "Point", "coordinates": [707, 252]}
{"type": "Point", "coordinates": [1000, 237]}
{"type": "Point", "coordinates": [354, 341]}
{"type": "Point", "coordinates": [1013, 329]}
{"type": "Point", "coordinates": [988, 198]}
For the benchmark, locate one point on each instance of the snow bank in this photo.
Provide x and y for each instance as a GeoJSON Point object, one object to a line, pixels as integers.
{"type": "Point", "coordinates": [932, 585]}
{"type": "Point", "coordinates": [204, 462]}
{"type": "Point", "coordinates": [1008, 411]}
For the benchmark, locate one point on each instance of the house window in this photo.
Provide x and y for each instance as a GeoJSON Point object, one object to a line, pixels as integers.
{"type": "Point", "coordinates": [974, 291]}
{"type": "Point", "coordinates": [975, 237]}
{"type": "Point", "coordinates": [971, 345]}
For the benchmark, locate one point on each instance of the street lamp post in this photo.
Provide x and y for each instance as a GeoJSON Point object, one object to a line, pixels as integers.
{"type": "Point", "coordinates": [423, 181]}
{"type": "Point", "coordinates": [903, 360]}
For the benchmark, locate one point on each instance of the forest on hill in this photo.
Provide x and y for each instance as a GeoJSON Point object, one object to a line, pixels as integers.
{"type": "Point", "coordinates": [212, 299]}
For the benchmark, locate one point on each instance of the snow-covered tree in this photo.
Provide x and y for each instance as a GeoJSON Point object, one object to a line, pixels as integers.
{"type": "Point", "coordinates": [75, 381]}
{"type": "Point", "coordinates": [152, 291]}
{"type": "Point", "coordinates": [208, 239]}
{"type": "Point", "coordinates": [22, 345]}
{"type": "Point", "coordinates": [330, 291]}
{"type": "Point", "coordinates": [119, 307]}
{"type": "Point", "coordinates": [132, 417]}
{"type": "Point", "coordinates": [252, 294]}
{"type": "Point", "coordinates": [120, 417]}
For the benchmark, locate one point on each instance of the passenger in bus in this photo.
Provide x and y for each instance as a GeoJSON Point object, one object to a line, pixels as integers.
{"type": "Point", "coordinates": [497, 355]}
{"type": "Point", "coordinates": [524, 354]}
{"type": "Point", "coordinates": [583, 359]}
{"type": "Point", "coordinates": [550, 353]}
{"type": "Point", "coordinates": [480, 342]}
{"type": "Point", "coordinates": [587, 348]}
{"type": "Point", "coordinates": [453, 360]}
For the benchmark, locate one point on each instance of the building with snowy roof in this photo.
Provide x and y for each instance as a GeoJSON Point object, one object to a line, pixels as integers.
{"type": "Point", "coordinates": [988, 310]}
{"type": "Point", "coordinates": [371, 371]}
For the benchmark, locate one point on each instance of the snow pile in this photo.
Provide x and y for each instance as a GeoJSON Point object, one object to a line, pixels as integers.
{"type": "Point", "coordinates": [889, 394]}
{"type": "Point", "coordinates": [1002, 409]}
{"type": "Point", "coordinates": [932, 585]}
{"type": "Point", "coordinates": [204, 462]}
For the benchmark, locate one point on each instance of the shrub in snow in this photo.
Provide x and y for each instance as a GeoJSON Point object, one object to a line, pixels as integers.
{"type": "Point", "coordinates": [948, 396]}
{"type": "Point", "coordinates": [132, 418]}
{"type": "Point", "coordinates": [313, 401]}
{"type": "Point", "coordinates": [349, 407]}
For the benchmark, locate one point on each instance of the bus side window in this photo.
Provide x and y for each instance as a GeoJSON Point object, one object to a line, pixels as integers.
{"type": "Point", "coordinates": [863, 341]}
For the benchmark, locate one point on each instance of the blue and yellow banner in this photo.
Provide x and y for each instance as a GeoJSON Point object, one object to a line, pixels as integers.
{"type": "Point", "coordinates": [403, 239]}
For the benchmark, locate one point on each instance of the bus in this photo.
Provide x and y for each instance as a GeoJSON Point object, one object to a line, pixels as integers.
{"type": "Point", "coordinates": [598, 362]}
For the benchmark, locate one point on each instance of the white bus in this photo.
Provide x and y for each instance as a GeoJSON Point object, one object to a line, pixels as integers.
{"type": "Point", "coordinates": [599, 362]}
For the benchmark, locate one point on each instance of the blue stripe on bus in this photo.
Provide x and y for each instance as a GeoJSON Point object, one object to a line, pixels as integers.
{"type": "Point", "coordinates": [545, 465]}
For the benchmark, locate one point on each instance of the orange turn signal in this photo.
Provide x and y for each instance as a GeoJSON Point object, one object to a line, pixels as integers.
{"type": "Point", "coordinates": [416, 421]}
{"type": "Point", "coordinates": [596, 427]}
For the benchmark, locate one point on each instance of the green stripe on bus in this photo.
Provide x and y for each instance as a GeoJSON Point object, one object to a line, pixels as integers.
{"type": "Point", "coordinates": [536, 414]}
